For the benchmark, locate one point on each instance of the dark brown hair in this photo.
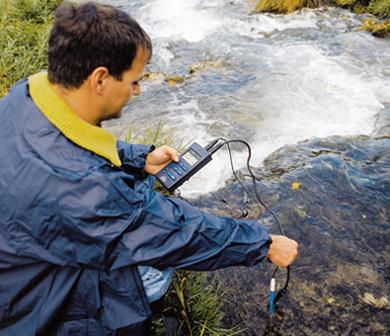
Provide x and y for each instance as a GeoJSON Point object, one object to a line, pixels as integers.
{"type": "Point", "coordinates": [90, 35]}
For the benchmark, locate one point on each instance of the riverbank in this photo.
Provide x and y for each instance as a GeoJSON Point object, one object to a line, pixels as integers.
{"type": "Point", "coordinates": [378, 23]}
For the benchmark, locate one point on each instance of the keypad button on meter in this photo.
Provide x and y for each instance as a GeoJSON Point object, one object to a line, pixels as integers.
{"type": "Point", "coordinates": [182, 166]}
{"type": "Point", "coordinates": [178, 170]}
{"type": "Point", "coordinates": [173, 177]}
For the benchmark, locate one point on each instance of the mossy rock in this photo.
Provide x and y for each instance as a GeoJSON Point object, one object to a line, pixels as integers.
{"type": "Point", "coordinates": [174, 80]}
{"type": "Point", "coordinates": [378, 29]}
{"type": "Point", "coordinates": [204, 65]}
{"type": "Point", "coordinates": [154, 76]}
{"type": "Point", "coordinates": [284, 6]}
{"type": "Point", "coordinates": [346, 3]}
{"type": "Point", "coordinates": [379, 8]}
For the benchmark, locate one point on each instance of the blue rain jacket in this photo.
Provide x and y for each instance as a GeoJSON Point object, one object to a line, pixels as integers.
{"type": "Point", "coordinates": [74, 228]}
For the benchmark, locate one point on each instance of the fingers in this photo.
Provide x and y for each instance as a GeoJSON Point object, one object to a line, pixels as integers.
{"type": "Point", "coordinates": [171, 152]}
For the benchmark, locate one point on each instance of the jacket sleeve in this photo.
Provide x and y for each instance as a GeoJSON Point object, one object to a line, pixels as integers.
{"type": "Point", "coordinates": [172, 233]}
{"type": "Point", "coordinates": [109, 225]}
{"type": "Point", "coordinates": [133, 156]}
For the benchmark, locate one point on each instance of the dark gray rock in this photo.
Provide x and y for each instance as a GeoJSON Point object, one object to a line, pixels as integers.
{"type": "Point", "coordinates": [333, 196]}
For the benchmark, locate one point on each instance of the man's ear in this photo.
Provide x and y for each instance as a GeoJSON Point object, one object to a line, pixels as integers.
{"type": "Point", "coordinates": [99, 79]}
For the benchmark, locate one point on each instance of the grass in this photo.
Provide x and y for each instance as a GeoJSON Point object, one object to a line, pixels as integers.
{"type": "Point", "coordinates": [196, 303]}
{"type": "Point", "coordinates": [24, 26]}
{"type": "Point", "coordinates": [158, 136]}
{"type": "Point", "coordinates": [380, 8]}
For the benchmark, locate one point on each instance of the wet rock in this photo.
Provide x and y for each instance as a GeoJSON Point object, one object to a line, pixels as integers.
{"type": "Point", "coordinates": [285, 6]}
{"type": "Point", "coordinates": [333, 196]}
{"type": "Point", "coordinates": [376, 27]}
{"type": "Point", "coordinates": [382, 302]}
{"type": "Point", "coordinates": [174, 80]}
{"type": "Point", "coordinates": [154, 76]}
{"type": "Point", "coordinates": [158, 77]}
{"type": "Point", "coordinates": [201, 66]}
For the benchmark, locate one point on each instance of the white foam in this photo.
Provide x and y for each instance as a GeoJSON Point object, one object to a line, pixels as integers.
{"type": "Point", "coordinates": [178, 19]}
{"type": "Point", "coordinates": [320, 98]}
{"type": "Point", "coordinates": [266, 23]}
{"type": "Point", "coordinates": [317, 100]}
{"type": "Point", "coordinates": [314, 96]}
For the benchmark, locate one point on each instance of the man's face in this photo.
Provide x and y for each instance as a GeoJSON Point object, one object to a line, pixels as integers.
{"type": "Point", "coordinates": [120, 92]}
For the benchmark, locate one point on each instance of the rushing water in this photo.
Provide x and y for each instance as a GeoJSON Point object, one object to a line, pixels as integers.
{"type": "Point", "coordinates": [271, 80]}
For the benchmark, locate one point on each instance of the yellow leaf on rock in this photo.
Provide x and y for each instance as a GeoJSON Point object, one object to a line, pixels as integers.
{"type": "Point", "coordinates": [295, 185]}
{"type": "Point", "coordinates": [330, 300]}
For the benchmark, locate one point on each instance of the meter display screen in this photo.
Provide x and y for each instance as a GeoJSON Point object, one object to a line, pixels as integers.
{"type": "Point", "coordinates": [191, 157]}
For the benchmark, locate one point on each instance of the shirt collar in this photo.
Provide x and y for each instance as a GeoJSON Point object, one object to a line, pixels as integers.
{"type": "Point", "coordinates": [83, 134]}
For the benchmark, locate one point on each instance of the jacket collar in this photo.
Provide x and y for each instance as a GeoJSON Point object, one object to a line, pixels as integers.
{"type": "Point", "coordinates": [83, 134]}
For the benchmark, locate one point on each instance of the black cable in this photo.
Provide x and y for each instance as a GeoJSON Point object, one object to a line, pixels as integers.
{"type": "Point", "coordinates": [246, 192]}
{"type": "Point", "coordinates": [227, 142]}
{"type": "Point", "coordinates": [212, 150]}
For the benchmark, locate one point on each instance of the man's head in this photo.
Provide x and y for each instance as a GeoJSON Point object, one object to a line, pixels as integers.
{"type": "Point", "coordinates": [87, 36]}
{"type": "Point", "coordinates": [99, 50]}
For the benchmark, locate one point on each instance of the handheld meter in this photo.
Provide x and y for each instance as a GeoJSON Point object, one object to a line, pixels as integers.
{"type": "Point", "coordinates": [194, 158]}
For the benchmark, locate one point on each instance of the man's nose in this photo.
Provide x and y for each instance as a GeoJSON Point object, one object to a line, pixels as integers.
{"type": "Point", "coordinates": [136, 89]}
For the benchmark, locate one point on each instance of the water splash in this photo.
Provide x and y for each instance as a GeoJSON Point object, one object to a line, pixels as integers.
{"type": "Point", "coordinates": [282, 79]}
{"type": "Point", "coordinates": [177, 19]}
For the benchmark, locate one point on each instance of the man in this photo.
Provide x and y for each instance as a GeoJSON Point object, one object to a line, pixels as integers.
{"type": "Point", "coordinates": [77, 210]}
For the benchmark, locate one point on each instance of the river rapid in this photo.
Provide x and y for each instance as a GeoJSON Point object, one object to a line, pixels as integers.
{"type": "Point", "coordinates": [269, 79]}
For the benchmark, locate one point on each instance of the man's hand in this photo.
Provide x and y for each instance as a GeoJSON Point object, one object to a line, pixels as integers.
{"type": "Point", "coordinates": [159, 158]}
{"type": "Point", "coordinates": [282, 251]}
